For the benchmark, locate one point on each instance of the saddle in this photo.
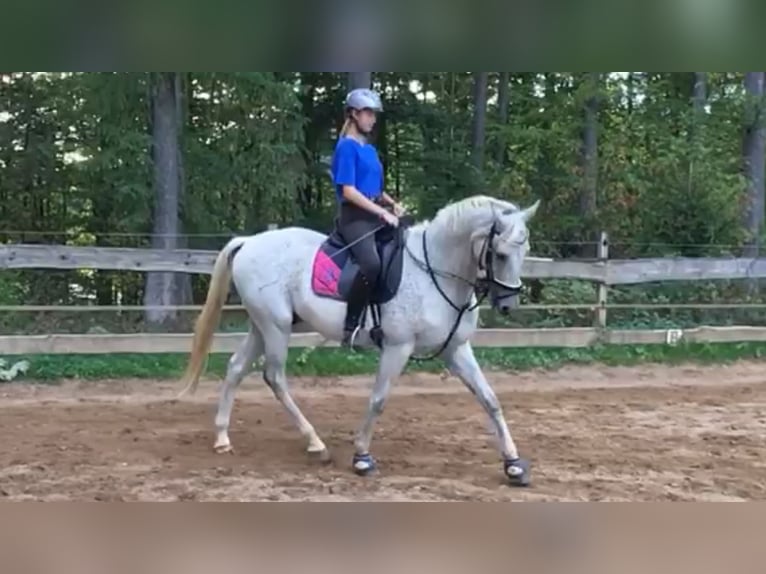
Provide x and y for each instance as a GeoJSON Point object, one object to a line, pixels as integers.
{"type": "Point", "coordinates": [335, 268]}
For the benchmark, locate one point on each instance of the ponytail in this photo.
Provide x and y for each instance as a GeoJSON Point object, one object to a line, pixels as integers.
{"type": "Point", "coordinates": [346, 126]}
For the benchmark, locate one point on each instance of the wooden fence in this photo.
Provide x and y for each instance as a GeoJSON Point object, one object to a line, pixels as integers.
{"type": "Point", "coordinates": [603, 271]}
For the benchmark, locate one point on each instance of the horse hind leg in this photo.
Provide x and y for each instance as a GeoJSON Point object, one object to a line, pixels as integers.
{"type": "Point", "coordinates": [240, 364]}
{"type": "Point", "coordinates": [276, 346]}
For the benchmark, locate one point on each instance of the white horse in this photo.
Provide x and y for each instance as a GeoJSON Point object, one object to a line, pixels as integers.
{"type": "Point", "coordinates": [474, 246]}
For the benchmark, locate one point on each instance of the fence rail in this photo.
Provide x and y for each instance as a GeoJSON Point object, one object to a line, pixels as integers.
{"type": "Point", "coordinates": [604, 272]}
{"type": "Point", "coordinates": [566, 337]}
{"type": "Point", "coordinates": [607, 272]}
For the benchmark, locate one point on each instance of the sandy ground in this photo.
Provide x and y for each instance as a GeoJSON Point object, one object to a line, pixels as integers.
{"type": "Point", "coordinates": [647, 433]}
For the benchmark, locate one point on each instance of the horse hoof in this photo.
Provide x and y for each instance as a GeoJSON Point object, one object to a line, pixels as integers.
{"type": "Point", "coordinates": [224, 449]}
{"type": "Point", "coordinates": [517, 472]}
{"type": "Point", "coordinates": [364, 464]}
{"type": "Point", "coordinates": [322, 455]}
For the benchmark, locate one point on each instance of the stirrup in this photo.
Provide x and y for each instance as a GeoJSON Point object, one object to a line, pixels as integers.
{"type": "Point", "coordinates": [349, 338]}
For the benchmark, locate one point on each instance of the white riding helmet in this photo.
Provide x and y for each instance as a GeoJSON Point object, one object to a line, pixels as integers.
{"type": "Point", "coordinates": [363, 98]}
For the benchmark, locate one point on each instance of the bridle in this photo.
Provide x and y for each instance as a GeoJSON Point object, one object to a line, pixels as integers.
{"type": "Point", "coordinates": [481, 287]}
{"type": "Point", "coordinates": [486, 264]}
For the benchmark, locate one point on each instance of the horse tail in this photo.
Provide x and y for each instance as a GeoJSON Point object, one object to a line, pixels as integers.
{"type": "Point", "coordinates": [210, 315]}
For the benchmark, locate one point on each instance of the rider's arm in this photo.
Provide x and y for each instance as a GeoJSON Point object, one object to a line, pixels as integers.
{"type": "Point", "coordinates": [352, 194]}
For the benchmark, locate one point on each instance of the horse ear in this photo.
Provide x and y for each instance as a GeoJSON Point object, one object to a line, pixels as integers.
{"type": "Point", "coordinates": [529, 212]}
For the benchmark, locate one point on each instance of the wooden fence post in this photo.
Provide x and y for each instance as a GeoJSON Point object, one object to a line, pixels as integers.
{"type": "Point", "coordinates": [603, 256]}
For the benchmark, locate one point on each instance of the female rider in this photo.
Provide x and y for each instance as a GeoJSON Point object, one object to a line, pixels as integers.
{"type": "Point", "coordinates": [358, 177]}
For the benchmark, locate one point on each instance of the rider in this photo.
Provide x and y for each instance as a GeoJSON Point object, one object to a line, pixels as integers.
{"type": "Point", "coordinates": [358, 177]}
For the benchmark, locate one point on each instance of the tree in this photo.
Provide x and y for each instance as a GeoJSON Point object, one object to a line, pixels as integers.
{"type": "Point", "coordinates": [754, 159]}
{"type": "Point", "coordinates": [589, 155]}
{"type": "Point", "coordinates": [503, 103]}
{"type": "Point", "coordinates": [163, 289]}
{"type": "Point", "coordinates": [478, 132]}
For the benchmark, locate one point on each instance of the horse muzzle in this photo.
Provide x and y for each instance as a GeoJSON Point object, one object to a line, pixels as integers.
{"type": "Point", "coordinates": [506, 298]}
{"type": "Point", "coordinates": [507, 304]}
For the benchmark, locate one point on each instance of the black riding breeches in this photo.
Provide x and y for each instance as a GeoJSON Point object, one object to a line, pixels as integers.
{"type": "Point", "coordinates": [354, 223]}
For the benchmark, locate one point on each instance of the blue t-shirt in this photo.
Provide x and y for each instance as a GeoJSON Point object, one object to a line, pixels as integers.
{"type": "Point", "coordinates": [357, 164]}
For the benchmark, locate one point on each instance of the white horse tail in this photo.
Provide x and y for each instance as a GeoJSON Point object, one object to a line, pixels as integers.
{"type": "Point", "coordinates": [210, 315]}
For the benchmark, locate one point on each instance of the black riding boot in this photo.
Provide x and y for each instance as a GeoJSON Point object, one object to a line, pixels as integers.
{"type": "Point", "coordinates": [357, 301]}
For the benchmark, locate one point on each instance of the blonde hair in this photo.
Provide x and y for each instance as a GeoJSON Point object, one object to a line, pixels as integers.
{"type": "Point", "coordinates": [346, 126]}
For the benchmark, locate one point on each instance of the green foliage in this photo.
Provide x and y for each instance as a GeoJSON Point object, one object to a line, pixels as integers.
{"type": "Point", "coordinates": [244, 165]}
{"type": "Point", "coordinates": [334, 362]}
{"type": "Point", "coordinates": [11, 289]}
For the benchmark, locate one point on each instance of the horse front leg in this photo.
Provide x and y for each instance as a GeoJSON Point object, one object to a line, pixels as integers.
{"type": "Point", "coordinates": [392, 362]}
{"type": "Point", "coordinates": [463, 364]}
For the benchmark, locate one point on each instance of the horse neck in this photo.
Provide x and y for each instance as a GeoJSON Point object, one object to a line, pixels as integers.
{"type": "Point", "coordinates": [450, 252]}
{"type": "Point", "coordinates": [453, 229]}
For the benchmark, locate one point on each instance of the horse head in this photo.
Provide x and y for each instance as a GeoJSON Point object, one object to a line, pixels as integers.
{"type": "Point", "coordinates": [500, 249]}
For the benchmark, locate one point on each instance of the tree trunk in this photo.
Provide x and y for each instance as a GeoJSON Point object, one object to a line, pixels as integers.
{"type": "Point", "coordinates": [589, 189]}
{"type": "Point", "coordinates": [305, 195]}
{"type": "Point", "coordinates": [503, 102]}
{"type": "Point", "coordinates": [479, 119]}
{"type": "Point", "coordinates": [631, 81]}
{"type": "Point", "coordinates": [183, 281]}
{"type": "Point", "coordinates": [699, 100]}
{"type": "Point", "coordinates": [754, 160]}
{"type": "Point", "coordinates": [162, 288]}
{"type": "Point", "coordinates": [381, 140]}
{"type": "Point", "coordinates": [700, 91]}
{"type": "Point", "coordinates": [102, 215]}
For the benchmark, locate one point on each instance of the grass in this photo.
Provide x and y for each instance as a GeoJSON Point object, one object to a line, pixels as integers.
{"type": "Point", "coordinates": [328, 362]}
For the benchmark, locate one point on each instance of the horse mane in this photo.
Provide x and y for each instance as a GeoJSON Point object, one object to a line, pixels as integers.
{"type": "Point", "coordinates": [465, 215]}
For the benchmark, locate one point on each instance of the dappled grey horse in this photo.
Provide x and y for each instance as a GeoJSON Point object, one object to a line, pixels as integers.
{"type": "Point", "coordinates": [426, 300]}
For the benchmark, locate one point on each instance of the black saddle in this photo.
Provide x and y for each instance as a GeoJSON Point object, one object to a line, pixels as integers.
{"type": "Point", "coordinates": [335, 267]}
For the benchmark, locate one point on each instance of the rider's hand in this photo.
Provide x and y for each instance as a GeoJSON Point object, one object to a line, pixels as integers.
{"type": "Point", "coordinates": [398, 210]}
{"type": "Point", "coordinates": [390, 218]}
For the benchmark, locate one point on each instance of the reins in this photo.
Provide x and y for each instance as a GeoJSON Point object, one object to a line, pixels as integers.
{"type": "Point", "coordinates": [466, 307]}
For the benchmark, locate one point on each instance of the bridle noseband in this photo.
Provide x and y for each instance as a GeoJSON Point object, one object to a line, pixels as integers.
{"type": "Point", "coordinates": [486, 264]}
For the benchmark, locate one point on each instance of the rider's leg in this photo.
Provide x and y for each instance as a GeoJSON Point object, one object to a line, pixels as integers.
{"type": "Point", "coordinates": [360, 227]}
